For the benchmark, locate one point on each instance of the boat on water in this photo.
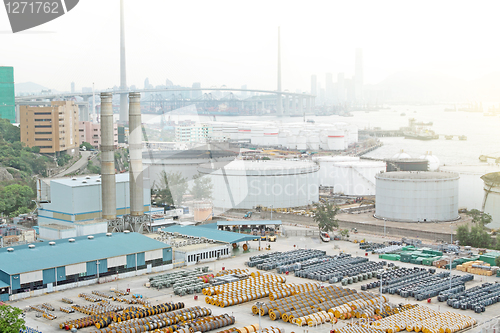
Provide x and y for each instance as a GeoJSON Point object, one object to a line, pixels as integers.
{"type": "Point", "coordinates": [421, 135]}
{"type": "Point", "coordinates": [448, 137]}
{"type": "Point", "coordinates": [462, 137]}
{"type": "Point", "coordinates": [311, 121]}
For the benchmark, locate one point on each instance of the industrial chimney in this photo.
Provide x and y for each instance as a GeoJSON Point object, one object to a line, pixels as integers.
{"type": "Point", "coordinates": [135, 151]}
{"type": "Point", "coordinates": [108, 183]}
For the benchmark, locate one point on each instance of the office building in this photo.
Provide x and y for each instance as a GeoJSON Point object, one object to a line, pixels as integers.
{"type": "Point", "coordinates": [53, 128]}
{"type": "Point", "coordinates": [193, 133]}
{"type": "Point", "coordinates": [329, 88]}
{"type": "Point", "coordinates": [7, 94]}
{"type": "Point", "coordinates": [72, 87]}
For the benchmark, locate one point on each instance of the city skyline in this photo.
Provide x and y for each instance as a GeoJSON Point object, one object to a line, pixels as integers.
{"type": "Point", "coordinates": [221, 49]}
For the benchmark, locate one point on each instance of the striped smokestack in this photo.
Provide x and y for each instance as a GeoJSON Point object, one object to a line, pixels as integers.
{"type": "Point", "coordinates": [135, 151]}
{"type": "Point", "coordinates": [108, 186]}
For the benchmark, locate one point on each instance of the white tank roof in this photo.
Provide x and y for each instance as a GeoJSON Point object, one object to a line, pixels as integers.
{"type": "Point", "coordinates": [433, 161]}
{"type": "Point", "coordinates": [401, 155]}
{"type": "Point", "coordinates": [270, 168]}
{"type": "Point", "coordinates": [417, 175]}
{"type": "Point", "coordinates": [335, 158]}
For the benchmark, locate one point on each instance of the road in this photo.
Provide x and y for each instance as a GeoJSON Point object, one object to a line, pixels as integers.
{"type": "Point", "coordinates": [79, 164]}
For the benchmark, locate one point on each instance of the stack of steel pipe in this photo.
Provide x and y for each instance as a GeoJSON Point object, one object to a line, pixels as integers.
{"type": "Point", "coordinates": [246, 294]}
{"type": "Point", "coordinates": [315, 319]}
{"type": "Point", "coordinates": [449, 322]}
{"type": "Point", "coordinates": [91, 298]}
{"type": "Point", "coordinates": [161, 320]}
{"type": "Point", "coordinates": [100, 293]}
{"type": "Point", "coordinates": [66, 300]}
{"type": "Point", "coordinates": [275, 259]}
{"type": "Point", "coordinates": [261, 279]}
{"type": "Point", "coordinates": [97, 309]}
{"type": "Point", "coordinates": [132, 313]}
{"type": "Point", "coordinates": [476, 298]}
{"type": "Point", "coordinates": [293, 290]}
{"type": "Point", "coordinates": [232, 271]}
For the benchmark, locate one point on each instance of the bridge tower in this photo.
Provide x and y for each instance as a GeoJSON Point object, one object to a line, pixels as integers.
{"type": "Point", "coordinates": [279, 104]}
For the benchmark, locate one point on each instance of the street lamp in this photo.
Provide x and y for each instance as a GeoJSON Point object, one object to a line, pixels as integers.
{"type": "Point", "coordinates": [259, 305]}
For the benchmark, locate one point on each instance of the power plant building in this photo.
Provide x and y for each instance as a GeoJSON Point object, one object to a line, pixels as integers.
{"type": "Point", "coordinates": [73, 206]}
{"type": "Point", "coordinates": [35, 269]}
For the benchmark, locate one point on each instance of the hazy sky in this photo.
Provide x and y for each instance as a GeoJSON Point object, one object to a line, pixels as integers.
{"type": "Point", "coordinates": [235, 42]}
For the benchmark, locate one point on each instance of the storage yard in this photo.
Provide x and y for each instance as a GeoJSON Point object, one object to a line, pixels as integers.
{"type": "Point", "coordinates": [297, 289]}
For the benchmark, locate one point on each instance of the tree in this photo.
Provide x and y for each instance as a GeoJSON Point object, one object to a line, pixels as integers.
{"type": "Point", "coordinates": [325, 215]}
{"type": "Point", "coordinates": [477, 236]}
{"type": "Point", "coordinates": [87, 146]}
{"type": "Point", "coordinates": [10, 319]}
{"type": "Point", "coordinates": [202, 188]}
{"type": "Point", "coordinates": [14, 197]}
{"type": "Point", "coordinates": [171, 190]}
{"type": "Point", "coordinates": [479, 217]}
{"type": "Point", "coordinates": [344, 233]}
{"type": "Point", "coordinates": [497, 261]}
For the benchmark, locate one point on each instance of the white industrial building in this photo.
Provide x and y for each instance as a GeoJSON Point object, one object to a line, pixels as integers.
{"type": "Point", "coordinates": [348, 174]}
{"type": "Point", "coordinates": [72, 207]}
{"type": "Point", "coordinates": [492, 198]}
{"type": "Point", "coordinates": [247, 184]}
{"type": "Point", "coordinates": [417, 196]}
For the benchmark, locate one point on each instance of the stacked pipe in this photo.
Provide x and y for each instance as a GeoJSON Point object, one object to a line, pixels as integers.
{"type": "Point", "coordinates": [91, 298]}
{"type": "Point", "coordinates": [448, 322]}
{"type": "Point", "coordinates": [97, 309]}
{"type": "Point", "coordinates": [212, 324]}
{"type": "Point", "coordinates": [66, 309]}
{"type": "Point", "coordinates": [232, 271]}
{"type": "Point", "coordinates": [80, 323]}
{"type": "Point", "coordinates": [278, 307]}
{"type": "Point", "coordinates": [293, 290]}
{"type": "Point", "coordinates": [66, 300]}
{"type": "Point", "coordinates": [247, 293]}
{"type": "Point", "coordinates": [316, 318]}
{"type": "Point", "coordinates": [275, 259]}
{"type": "Point", "coordinates": [476, 298]}
{"type": "Point", "coordinates": [153, 322]}
{"type": "Point", "coordinates": [133, 313]}
{"type": "Point", "coordinates": [354, 328]}
{"type": "Point", "coordinates": [403, 320]}
{"type": "Point", "coordinates": [48, 306]}
{"type": "Point", "coordinates": [108, 182]}
{"type": "Point", "coordinates": [261, 279]}
{"type": "Point", "coordinates": [101, 294]}
{"type": "Point", "coordinates": [361, 301]}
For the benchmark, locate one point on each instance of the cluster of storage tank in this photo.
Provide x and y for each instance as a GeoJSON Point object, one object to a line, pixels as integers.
{"type": "Point", "coordinates": [292, 136]}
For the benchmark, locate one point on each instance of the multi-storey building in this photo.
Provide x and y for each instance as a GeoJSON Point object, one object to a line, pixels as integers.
{"type": "Point", "coordinates": [193, 133]}
{"type": "Point", "coordinates": [91, 133]}
{"type": "Point", "coordinates": [52, 128]}
{"type": "Point", "coordinates": [7, 95]}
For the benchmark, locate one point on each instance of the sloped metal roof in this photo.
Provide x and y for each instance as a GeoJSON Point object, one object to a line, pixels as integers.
{"type": "Point", "coordinates": [217, 235]}
{"type": "Point", "coordinates": [250, 222]}
{"type": "Point", "coordinates": [63, 253]}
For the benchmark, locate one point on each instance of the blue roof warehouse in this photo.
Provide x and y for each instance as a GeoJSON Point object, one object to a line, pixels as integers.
{"type": "Point", "coordinates": [57, 265]}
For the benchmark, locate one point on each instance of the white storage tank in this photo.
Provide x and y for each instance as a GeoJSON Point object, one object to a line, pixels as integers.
{"type": "Point", "coordinates": [433, 161]}
{"type": "Point", "coordinates": [282, 138]}
{"type": "Point", "coordinates": [270, 136]}
{"type": "Point", "coordinates": [417, 196]}
{"type": "Point", "coordinates": [301, 142]}
{"type": "Point", "coordinates": [257, 136]}
{"type": "Point", "coordinates": [244, 131]}
{"type": "Point", "coordinates": [247, 184]}
{"type": "Point", "coordinates": [356, 178]}
{"type": "Point", "coordinates": [492, 198]}
{"type": "Point", "coordinates": [470, 185]}
{"type": "Point", "coordinates": [291, 142]}
{"type": "Point", "coordinates": [336, 139]}
{"type": "Point", "coordinates": [326, 170]}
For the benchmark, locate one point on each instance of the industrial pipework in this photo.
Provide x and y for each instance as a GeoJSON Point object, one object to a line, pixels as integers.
{"type": "Point", "coordinates": [135, 150]}
{"type": "Point", "coordinates": [108, 182]}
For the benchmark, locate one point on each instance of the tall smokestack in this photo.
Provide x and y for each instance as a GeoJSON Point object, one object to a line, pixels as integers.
{"type": "Point", "coordinates": [279, 109]}
{"type": "Point", "coordinates": [135, 151]}
{"type": "Point", "coordinates": [108, 183]}
{"type": "Point", "coordinates": [123, 69]}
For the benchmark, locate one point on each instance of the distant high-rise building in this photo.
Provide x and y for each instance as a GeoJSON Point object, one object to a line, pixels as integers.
{"type": "Point", "coordinates": [196, 93]}
{"type": "Point", "coordinates": [358, 75]}
{"type": "Point", "coordinates": [314, 85]}
{"type": "Point", "coordinates": [329, 88]}
{"type": "Point", "coordinates": [41, 127]}
{"type": "Point", "coordinates": [146, 83]}
{"type": "Point", "coordinates": [7, 94]}
{"type": "Point", "coordinates": [72, 87]}
{"type": "Point", "coordinates": [340, 88]}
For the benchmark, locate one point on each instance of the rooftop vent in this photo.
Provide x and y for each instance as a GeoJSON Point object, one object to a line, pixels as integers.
{"type": "Point", "coordinates": [98, 180]}
{"type": "Point", "coordinates": [10, 249]}
{"type": "Point", "coordinates": [84, 181]}
{"type": "Point", "coordinates": [52, 243]}
{"type": "Point", "coordinates": [109, 234]}
{"type": "Point", "coordinates": [126, 232]}
{"type": "Point", "coordinates": [74, 178]}
{"type": "Point", "coordinates": [87, 177]}
{"type": "Point", "coordinates": [90, 237]}
{"type": "Point", "coordinates": [31, 246]}
{"type": "Point", "coordinates": [71, 240]}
